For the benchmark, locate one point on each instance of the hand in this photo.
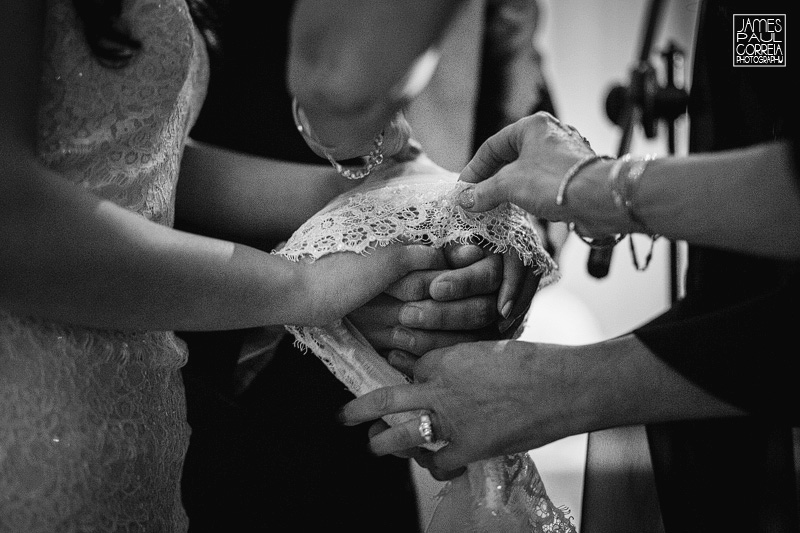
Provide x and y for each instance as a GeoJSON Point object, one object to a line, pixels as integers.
{"type": "Point", "coordinates": [364, 276]}
{"type": "Point", "coordinates": [433, 309]}
{"type": "Point", "coordinates": [396, 135]}
{"type": "Point", "coordinates": [524, 164]}
{"type": "Point", "coordinates": [486, 399]}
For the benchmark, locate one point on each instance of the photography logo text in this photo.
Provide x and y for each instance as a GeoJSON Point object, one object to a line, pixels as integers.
{"type": "Point", "coordinates": [759, 40]}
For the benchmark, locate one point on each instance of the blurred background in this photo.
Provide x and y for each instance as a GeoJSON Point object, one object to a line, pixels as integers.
{"type": "Point", "coordinates": [588, 46]}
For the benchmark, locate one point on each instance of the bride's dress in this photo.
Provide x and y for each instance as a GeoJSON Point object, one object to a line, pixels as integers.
{"type": "Point", "coordinates": [417, 202]}
{"type": "Point", "coordinates": [93, 426]}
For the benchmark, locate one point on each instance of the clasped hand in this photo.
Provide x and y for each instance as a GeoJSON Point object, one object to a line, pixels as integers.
{"type": "Point", "coordinates": [430, 309]}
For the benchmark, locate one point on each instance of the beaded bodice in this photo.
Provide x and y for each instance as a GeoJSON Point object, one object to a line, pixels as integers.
{"type": "Point", "coordinates": [93, 425]}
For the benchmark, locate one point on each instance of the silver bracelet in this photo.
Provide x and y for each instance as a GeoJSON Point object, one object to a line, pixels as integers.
{"type": "Point", "coordinates": [605, 242]}
{"type": "Point", "coordinates": [573, 171]}
{"type": "Point", "coordinates": [623, 189]}
{"type": "Point", "coordinates": [371, 160]}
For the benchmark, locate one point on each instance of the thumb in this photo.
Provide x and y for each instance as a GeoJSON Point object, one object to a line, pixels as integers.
{"type": "Point", "coordinates": [484, 195]}
{"type": "Point", "coordinates": [496, 152]}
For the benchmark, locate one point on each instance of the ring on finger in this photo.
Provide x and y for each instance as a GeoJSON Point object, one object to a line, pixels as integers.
{"type": "Point", "coordinates": [426, 428]}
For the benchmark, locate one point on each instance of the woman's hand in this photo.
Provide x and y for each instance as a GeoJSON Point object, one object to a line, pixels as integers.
{"type": "Point", "coordinates": [492, 398]}
{"type": "Point", "coordinates": [525, 164]}
{"type": "Point", "coordinates": [433, 309]}
{"type": "Point", "coordinates": [336, 284]}
{"type": "Point", "coordinates": [485, 398]}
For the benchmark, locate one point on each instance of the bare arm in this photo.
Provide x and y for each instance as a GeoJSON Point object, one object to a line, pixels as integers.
{"type": "Point", "coordinates": [354, 64]}
{"type": "Point", "coordinates": [493, 398]}
{"type": "Point", "coordinates": [746, 200]}
{"type": "Point", "coordinates": [224, 192]}
{"type": "Point", "coordinates": [67, 255]}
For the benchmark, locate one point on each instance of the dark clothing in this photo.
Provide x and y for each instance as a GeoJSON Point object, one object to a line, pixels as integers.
{"type": "Point", "coordinates": [274, 458]}
{"type": "Point", "coordinates": [732, 333]}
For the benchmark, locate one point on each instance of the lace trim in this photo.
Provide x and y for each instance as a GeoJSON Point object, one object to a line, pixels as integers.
{"type": "Point", "coordinates": [426, 213]}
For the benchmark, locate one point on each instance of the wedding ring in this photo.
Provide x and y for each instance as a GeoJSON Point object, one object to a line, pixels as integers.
{"type": "Point", "coordinates": [425, 428]}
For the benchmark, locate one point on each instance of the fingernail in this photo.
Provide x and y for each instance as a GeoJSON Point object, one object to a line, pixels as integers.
{"type": "Point", "coordinates": [506, 310]}
{"type": "Point", "coordinates": [393, 357]}
{"type": "Point", "coordinates": [442, 289]}
{"type": "Point", "coordinates": [466, 198]}
{"type": "Point", "coordinates": [403, 339]}
{"type": "Point", "coordinates": [410, 316]}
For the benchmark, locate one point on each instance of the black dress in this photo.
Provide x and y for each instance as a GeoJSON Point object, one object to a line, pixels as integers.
{"type": "Point", "coordinates": [731, 331]}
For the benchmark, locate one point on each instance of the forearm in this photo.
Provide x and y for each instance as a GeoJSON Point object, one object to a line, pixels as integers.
{"type": "Point", "coordinates": [620, 382]}
{"type": "Point", "coordinates": [232, 194]}
{"type": "Point", "coordinates": [69, 256]}
{"type": "Point", "coordinates": [745, 200]}
{"type": "Point", "coordinates": [354, 64]}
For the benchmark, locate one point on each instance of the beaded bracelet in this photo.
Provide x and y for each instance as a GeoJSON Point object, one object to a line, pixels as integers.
{"type": "Point", "coordinates": [372, 160]}
{"type": "Point", "coordinates": [623, 189]}
{"type": "Point", "coordinates": [605, 242]}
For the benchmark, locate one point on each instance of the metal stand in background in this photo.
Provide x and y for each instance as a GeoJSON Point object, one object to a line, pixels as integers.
{"type": "Point", "coordinates": [645, 102]}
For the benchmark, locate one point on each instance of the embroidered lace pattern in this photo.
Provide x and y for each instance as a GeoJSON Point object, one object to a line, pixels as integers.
{"type": "Point", "coordinates": [93, 426]}
{"type": "Point", "coordinates": [426, 212]}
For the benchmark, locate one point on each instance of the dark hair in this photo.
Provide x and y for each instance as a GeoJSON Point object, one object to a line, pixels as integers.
{"type": "Point", "coordinates": [110, 39]}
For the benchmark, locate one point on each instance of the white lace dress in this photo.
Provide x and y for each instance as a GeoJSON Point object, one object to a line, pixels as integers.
{"type": "Point", "coordinates": [504, 494]}
{"type": "Point", "coordinates": [93, 426]}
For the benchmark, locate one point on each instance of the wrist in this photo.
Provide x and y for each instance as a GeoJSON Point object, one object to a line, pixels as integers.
{"type": "Point", "coordinates": [392, 138]}
{"type": "Point", "coordinates": [591, 201]}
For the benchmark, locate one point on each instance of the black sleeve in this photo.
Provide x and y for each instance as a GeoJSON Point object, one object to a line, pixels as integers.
{"type": "Point", "coordinates": [746, 354]}
{"type": "Point", "coordinates": [745, 351]}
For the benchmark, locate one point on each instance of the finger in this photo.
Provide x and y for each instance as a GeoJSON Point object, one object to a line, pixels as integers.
{"type": "Point", "coordinates": [384, 401]}
{"type": "Point", "coordinates": [480, 278]}
{"type": "Point", "coordinates": [505, 186]}
{"type": "Point", "coordinates": [447, 461]}
{"type": "Point", "coordinates": [465, 314]}
{"type": "Point", "coordinates": [402, 361]}
{"type": "Point", "coordinates": [523, 302]}
{"type": "Point", "coordinates": [414, 286]}
{"type": "Point", "coordinates": [513, 277]}
{"type": "Point", "coordinates": [426, 461]}
{"type": "Point", "coordinates": [382, 310]}
{"type": "Point", "coordinates": [420, 341]}
{"type": "Point", "coordinates": [423, 257]}
{"type": "Point", "coordinates": [411, 453]}
{"type": "Point", "coordinates": [497, 151]}
{"type": "Point", "coordinates": [376, 321]}
{"type": "Point", "coordinates": [462, 255]}
{"type": "Point", "coordinates": [377, 427]}
{"type": "Point", "coordinates": [397, 439]}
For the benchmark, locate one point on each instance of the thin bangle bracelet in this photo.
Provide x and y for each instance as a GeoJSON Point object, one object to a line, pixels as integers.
{"type": "Point", "coordinates": [605, 242]}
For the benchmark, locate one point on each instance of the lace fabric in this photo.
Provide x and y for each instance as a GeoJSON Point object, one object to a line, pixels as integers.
{"type": "Point", "coordinates": [93, 427]}
{"type": "Point", "coordinates": [423, 210]}
{"type": "Point", "coordinates": [500, 494]}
